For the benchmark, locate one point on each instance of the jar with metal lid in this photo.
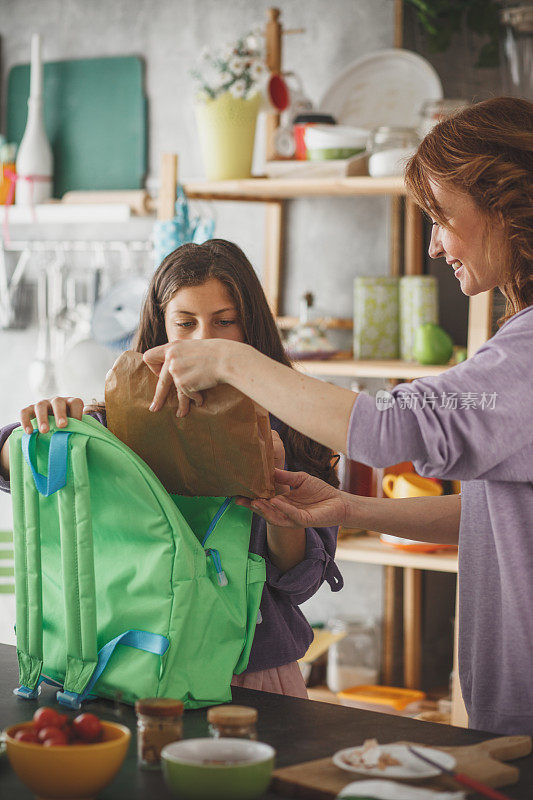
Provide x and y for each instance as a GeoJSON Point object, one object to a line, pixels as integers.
{"type": "Point", "coordinates": [353, 659]}
{"type": "Point", "coordinates": [159, 722]}
{"type": "Point", "coordinates": [235, 722]}
{"type": "Point", "coordinates": [390, 147]}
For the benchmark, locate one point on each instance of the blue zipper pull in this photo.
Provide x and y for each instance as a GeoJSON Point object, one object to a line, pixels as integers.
{"type": "Point", "coordinates": [212, 525]}
{"type": "Point", "coordinates": [221, 575]}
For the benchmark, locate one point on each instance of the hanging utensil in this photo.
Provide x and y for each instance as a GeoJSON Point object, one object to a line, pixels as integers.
{"type": "Point", "coordinates": [15, 296]}
{"type": "Point", "coordinates": [41, 373]}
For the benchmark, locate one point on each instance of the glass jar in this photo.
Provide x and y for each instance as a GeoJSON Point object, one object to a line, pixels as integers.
{"type": "Point", "coordinates": [234, 722]}
{"type": "Point", "coordinates": [159, 722]}
{"type": "Point", "coordinates": [434, 111]}
{"type": "Point", "coordinates": [390, 147]}
{"type": "Point", "coordinates": [517, 47]}
{"type": "Point", "coordinates": [353, 659]}
{"type": "Point", "coordinates": [308, 338]}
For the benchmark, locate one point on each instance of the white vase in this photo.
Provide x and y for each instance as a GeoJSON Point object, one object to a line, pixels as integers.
{"type": "Point", "coordinates": [34, 156]}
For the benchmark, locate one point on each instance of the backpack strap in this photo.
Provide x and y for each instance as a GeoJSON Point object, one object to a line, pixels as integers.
{"type": "Point", "coordinates": [142, 640]}
{"type": "Point", "coordinates": [77, 565]}
{"type": "Point", "coordinates": [77, 559]}
{"type": "Point", "coordinates": [28, 580]}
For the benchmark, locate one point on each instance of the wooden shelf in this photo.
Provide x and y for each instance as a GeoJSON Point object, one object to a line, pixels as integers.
{"type": "Point", "coordinates": [261, 189]}
{"type": "Point", "coordinates": [349, 368]}
{"type": "Point", "coordinates": [370, 550]}
{"type": "Point", "coordinates": [330, 323]}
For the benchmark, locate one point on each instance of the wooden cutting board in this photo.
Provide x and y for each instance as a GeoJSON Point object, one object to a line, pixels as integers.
{"type": "Point", "coordinates": [322, 780]}
{"type": "Point", "coordinates": [95, 117]}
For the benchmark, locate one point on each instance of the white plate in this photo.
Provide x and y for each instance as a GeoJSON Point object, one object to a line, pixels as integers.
{"type": "Point", "coordinates": [409, 767]}
{"type": "Point", "coordinates": [386, 87]}
{"type": "Point", "coordinates": [389, 790]}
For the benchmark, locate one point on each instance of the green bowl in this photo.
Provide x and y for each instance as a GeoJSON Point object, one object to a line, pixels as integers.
{"type": "Point", "coordinates": [191, 771]}
{"type": "Point", "coordinates": [332, 153]}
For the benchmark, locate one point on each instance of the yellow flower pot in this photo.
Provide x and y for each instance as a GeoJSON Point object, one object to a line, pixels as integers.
{"type": "Point", "coordinates": [226, 127]}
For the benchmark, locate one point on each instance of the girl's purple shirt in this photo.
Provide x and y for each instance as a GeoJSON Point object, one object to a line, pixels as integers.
{"type": "Point", "coordinates": [474, 423]}
{"type": "Point", "coordinates": [284, 634]}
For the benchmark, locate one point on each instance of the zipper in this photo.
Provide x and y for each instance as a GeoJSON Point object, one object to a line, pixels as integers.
{"type": "Point", "coordinates": [211, 551]}
{"type": "Point", "coordinates": [217, 563]}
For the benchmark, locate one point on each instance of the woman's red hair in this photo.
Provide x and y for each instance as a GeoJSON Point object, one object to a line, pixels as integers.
{"type": "Point", "coordinates": [486, 152]}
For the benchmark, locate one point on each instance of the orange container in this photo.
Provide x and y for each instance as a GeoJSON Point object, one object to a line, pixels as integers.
{"type": "Point", "coordinates": [5, 183]}
{"type": "Point", "coordinates": [385, 699]}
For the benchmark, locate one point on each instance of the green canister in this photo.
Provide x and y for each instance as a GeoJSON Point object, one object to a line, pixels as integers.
{"type": "Point", "coordinates": [375, 317]}
{"type": "Point", "coordinates": [418, 305]}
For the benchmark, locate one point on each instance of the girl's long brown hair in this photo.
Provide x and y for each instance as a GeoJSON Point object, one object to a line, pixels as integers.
{"type": "Point", "coordinates": [193, 265]}
{"type": "Point", "coordinates": [486, 152]}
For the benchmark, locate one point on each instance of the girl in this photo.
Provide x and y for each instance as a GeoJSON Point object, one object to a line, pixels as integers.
{"type": "Point", "coordinates": [211, 291]}
{"type": "Point", "coordinates": [473, 175]}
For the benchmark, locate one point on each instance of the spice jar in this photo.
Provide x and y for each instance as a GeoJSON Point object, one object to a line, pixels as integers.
{"type": "Point", "coordinates": [390, 149]}
{"type": "Point", "coordinates": [235, 722]}
{"type": "Point", "coordinates": [159, 722]}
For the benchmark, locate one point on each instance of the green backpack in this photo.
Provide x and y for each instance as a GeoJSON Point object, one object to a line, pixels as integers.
{"type": "Point", "coordinates": [122, 589]}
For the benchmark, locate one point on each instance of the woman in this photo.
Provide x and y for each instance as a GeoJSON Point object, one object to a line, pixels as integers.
{"type": "Point", "coordinates": [473, 175]}
{"type": "Point", "coordinates": [210, 291]}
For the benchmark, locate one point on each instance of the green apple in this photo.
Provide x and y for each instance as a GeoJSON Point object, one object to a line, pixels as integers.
{"type": "Point", "coordinates": [460, 355]}
{"type": "Point", "coordinates": [432, 345]}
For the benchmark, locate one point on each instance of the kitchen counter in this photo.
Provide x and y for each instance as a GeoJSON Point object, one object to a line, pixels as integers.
{"type": "Point", "coordinates": [300, 730]}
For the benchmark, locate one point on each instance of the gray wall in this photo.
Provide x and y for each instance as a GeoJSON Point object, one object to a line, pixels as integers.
{"type": "Point", "coordinates": [328, 241]}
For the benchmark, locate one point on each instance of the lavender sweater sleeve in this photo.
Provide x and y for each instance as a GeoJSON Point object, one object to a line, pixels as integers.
{"type": "Point", "coordinates": [472, 422]}
{"type": "Point", "coordinates": [5, 433]}
{"type": "Point", "coordinates": [300, 582]}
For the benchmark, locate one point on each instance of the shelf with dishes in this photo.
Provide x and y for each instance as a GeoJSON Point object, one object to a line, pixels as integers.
{"type": "Point", "coordinates": [369, 549]}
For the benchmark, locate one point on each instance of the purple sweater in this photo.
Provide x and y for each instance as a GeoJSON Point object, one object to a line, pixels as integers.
{"type": "Point", "coordinates": [486, 442]}
{"type": "Point", "coordinates": [284, 634]}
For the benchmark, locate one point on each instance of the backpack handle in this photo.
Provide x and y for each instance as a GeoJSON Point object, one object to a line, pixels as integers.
{"type": "Point", "coordinates": [57, 462]}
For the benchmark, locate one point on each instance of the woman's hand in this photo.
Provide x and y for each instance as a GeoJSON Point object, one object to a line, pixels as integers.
{"type": "Point", "coordinates": [190, 366]}
{"type": "Point", "coordinates": [310, 502]}
{"type": "Point", "coordinates": [60, 407]}
{"type": "Point", "coordinates": [279, 450]}
{"type": "Point", "coordinates": [279, 461]}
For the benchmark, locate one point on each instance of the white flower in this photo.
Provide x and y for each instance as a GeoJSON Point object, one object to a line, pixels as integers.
{"type": "Point", "coordinates": [228, 52]}
{"type": "Point", "coordinates": [225, 77]}
{"type": "Point", "coordinates": [236, 65]}
{"type": "Point", "coordinates": [238, 88]}
{"type": "Point", "coordinates": [257, 70]}
{"type": "Point", "coordinates": [253, 43]}
{"type": "Point", "coordinates": [240, 63]}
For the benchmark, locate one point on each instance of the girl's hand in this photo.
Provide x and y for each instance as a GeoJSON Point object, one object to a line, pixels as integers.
{"type": "Point", "coordinates": [310, 503]}
{"type": "Point", "coordinates": [189, 366]}
{"type": "Point", "coordinates": [60, 407]}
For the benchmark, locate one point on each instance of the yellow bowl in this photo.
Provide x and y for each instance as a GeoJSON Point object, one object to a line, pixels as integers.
{"type": "Point", "coordinates": [68, 771]}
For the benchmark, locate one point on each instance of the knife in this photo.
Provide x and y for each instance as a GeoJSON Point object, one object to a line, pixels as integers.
{"type": "Point", "coordinates": [464, 780]}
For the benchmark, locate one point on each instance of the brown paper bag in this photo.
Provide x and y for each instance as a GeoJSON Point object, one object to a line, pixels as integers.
{"type": "Point", "coordinates": [223, 447]}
